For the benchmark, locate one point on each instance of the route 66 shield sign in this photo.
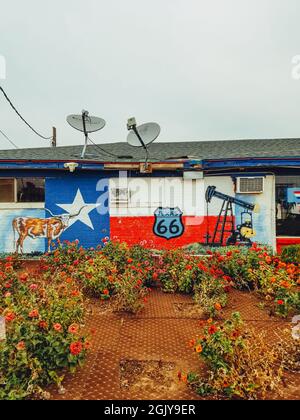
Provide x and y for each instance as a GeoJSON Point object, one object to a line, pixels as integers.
{"type": "Point", "coordinates": [168, 222]}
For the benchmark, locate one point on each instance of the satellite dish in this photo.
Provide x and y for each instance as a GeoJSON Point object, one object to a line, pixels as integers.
{"type": "Point", "coordinates": [147, 132]}
{"type": "Point", "coordinates": [86, 124]}
{"type": "Point", "coordinates": [92, 124]}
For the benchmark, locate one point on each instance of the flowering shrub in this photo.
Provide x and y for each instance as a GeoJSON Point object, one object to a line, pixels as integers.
{"type": "Point", "coordinates": [129, 291]}
{"type": "Point", "coordinates": [43, 336]}
{"type": "Point", "coordinates": [291, 254]}
{"type": "Point", "coordinates": [97, 276]}
{"type": "Point", "coordinates": [177, 271]}
{"type": "Point", "coordinates": [114, 272]}
{"type": "Point", "coordinates": [278, 283]}
{"type": "Point", "coordinates": [238, 362]}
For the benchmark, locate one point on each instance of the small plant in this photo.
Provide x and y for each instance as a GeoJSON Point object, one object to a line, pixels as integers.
{"type": "Point", "coordinates": [238, 362]}
{"type": "Point", "coordinates": [129, 291]}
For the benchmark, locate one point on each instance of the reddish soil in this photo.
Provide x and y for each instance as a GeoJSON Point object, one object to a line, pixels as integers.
{"type": "Point", "coordinates": [139, 356]}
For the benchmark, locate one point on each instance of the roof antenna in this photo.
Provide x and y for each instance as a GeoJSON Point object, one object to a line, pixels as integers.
{"type": "Point", "coordinates": [87, 125]}
{"type": "Point", "coordinates": [142, 136]}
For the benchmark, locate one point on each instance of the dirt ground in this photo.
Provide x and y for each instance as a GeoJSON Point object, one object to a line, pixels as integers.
{"type": "Point", "coordinates": [139, 356]}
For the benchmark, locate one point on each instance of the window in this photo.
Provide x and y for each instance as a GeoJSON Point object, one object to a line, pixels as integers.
{"type": "Point", "coordinates": [22, 190]}
{"type": "Point", "coordinates": [7, 192]}
{"type": "Point", "coordinates": [287, 210]}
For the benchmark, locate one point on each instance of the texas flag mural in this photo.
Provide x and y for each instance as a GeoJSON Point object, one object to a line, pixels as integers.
{"type": "Point", "coordinates": [78, 199]}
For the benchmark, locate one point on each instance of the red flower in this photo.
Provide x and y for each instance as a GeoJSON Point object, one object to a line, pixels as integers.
{"type": "Point", "coordinates": [76, 348]}
{"type": "Point", "coordinates": [212, 329]}
{"type": "Point", "coordinates": [129, 260]}
{"type": "Point", "coordinates": [43, 325]}
{"type": "Point", "coordinates": [189, 267]}
{"type": "Point", "coordinates": [76, 262]}
{"type": "Point", "coordinates": [34, 313]}
{"type": "Point", "coordinates": [33, 286]}
{"type": "Point", "coordinates": [280, 302]}
{"type": "Point", "coordinates": [105, 292]}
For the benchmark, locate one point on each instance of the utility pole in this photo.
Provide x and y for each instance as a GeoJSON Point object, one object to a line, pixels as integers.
{"type": "Point", "coordinates": [53, 141]}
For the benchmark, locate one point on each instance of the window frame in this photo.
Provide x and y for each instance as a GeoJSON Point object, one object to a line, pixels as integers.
{"type": "Point", "coordinates": [20, 204]}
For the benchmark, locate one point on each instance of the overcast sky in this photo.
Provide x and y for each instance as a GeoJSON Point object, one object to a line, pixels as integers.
{"type": "Point", "coordinates": [202, 69]}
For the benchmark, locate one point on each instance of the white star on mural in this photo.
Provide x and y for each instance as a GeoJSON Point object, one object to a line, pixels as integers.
{"type": "Point", "coordinates": [73, 208]}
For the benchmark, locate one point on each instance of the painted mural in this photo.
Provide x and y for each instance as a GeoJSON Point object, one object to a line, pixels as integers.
{"type": "Point", "coordinates": [231, 229]}
{"type": "Point", "coordinates": [74, 204]}
{"type": "Point", "coordinates": [9, 235]}
{"type": "Point", "coordinates": [70, 213]}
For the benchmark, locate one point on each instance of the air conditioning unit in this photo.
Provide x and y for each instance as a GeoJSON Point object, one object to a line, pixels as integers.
{"type": "Point", "coordinates": [250, 185]}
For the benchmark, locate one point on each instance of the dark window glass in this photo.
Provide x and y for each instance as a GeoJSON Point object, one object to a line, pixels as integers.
{"type": "Point", "coordinates": [287, 213]}
{"type": "Point", "coordinates": [30, 190]}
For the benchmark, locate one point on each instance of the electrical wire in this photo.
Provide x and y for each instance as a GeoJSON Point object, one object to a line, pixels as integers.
{"type": "Point", "coordinates": [112, 154]}
{"type": "Point", "coordinates": [7, 138]}
{"type": "Point", "coordinates": [23, 119]}
{"type": "Point", "coordinates": [103, 150]}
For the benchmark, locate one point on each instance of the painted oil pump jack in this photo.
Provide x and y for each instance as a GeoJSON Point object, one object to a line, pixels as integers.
{"type": "Point", "coordinates": [240, 234]}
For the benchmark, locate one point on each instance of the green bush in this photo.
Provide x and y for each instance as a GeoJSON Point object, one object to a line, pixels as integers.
{"type": "Point", "coordinates": [291, 254]}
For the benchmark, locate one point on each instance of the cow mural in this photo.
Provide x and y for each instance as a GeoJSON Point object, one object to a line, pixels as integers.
{"type": "Point", "coordinates": [50, 228]}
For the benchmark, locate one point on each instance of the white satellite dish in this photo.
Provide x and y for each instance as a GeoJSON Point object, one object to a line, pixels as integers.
{"type": "Point", "coordinates": [92, 124]}
{"type": "Point", "coordinates": [146, 132]}
{"type": "Point", "coordinates": [86, 124]}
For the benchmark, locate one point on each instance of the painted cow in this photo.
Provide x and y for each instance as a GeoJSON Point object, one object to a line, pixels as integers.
{"type": "Point", "coordinates": [50, 228]}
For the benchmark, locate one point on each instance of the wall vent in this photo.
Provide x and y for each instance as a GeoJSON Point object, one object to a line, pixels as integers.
{"type": "Point", "coordinates": [250, 185]}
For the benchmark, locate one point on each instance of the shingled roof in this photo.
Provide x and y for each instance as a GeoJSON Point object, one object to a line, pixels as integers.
{"type": "Point", "coordinates": [202, 150]}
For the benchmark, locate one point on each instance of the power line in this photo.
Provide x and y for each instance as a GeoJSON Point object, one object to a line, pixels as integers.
{"type": "Point", "coordinates": [23, 119]}
{"type": "Point", "coordinates": [7, 138]}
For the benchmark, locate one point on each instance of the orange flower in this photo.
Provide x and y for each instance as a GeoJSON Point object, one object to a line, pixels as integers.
{"type": "Point", "coordinates": [34, 313]}
{"type": "Point", "coordinates": [20, 346]}
{"type": "Point", "coordinates": [10, 316]}
{"type": "Point", "coordinates": [73, 328]}
{"type": "Point", "coordinates": [57, 327]}
{"type": "Point", "coordinates": [285, 284]}
{"type": "Point", "coordinates": [87, 345]}
{"type": "Point", "coordinates": [184, 378]}
{"type": "Point", "coordinates": [23, 277]}
{"type": "Point", "coordinates": [199, 349]}
{"type": "Point", "coordinates": [218, 307]}
{"type": "Point", "coordinates": [273, 279]}
{"type": "Point", "coordinates": [105, 292]}
{"type": "Point", "coordinates": [192, 342]}
{"type": "Point", "coordinates": [209, 321]}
